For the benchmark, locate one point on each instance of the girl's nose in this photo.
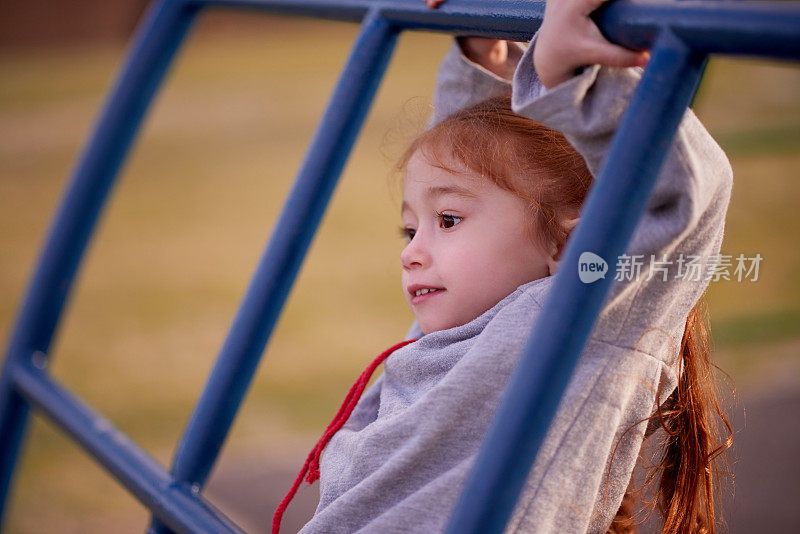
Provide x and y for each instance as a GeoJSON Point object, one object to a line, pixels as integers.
{"type": "Point", "coordinates": [415, 255]}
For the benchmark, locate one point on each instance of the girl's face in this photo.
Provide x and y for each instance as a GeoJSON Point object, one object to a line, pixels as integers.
{"type": "Point", "coordinates": [468, 245]}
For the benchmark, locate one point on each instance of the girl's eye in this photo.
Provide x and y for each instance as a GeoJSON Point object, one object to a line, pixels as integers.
{"type": "Point", "coordinates": [407, 233]}
{"type": "Point", "coordinates": [449, 221]}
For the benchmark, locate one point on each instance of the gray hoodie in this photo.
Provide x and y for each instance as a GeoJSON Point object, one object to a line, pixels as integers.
{"type": "Point", "coordinates": [399, 463]}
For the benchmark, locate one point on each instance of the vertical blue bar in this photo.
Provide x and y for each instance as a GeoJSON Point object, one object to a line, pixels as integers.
{"type": "Point", "coordinates": [278, 267]}
{"type": "Point", "coordinates": [167, 23]}
{"type": "Point", "coordinates": [610, 216]}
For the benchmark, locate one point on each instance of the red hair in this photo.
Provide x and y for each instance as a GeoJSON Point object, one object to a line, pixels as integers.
{"type": "Point", "coordinates": [540, 166]}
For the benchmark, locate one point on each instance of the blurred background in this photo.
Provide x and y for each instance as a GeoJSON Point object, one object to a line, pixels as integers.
{"type": "Point", "coordinates": [194, 208]}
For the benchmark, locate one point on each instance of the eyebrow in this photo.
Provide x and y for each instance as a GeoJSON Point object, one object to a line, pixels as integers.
{"type": "Point", "coordinates": [443, 190]}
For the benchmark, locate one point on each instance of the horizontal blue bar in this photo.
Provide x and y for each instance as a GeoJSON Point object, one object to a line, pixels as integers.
{"type": "Point", "coordinates": [766, 29]}
{"type": "Point", "coordinates": [174, 503]}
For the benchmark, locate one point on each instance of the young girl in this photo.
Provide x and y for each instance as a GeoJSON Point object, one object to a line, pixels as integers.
{"type": "Point", "coordinates": [490, 197]}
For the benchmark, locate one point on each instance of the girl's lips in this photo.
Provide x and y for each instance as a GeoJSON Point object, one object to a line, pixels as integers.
{"type": "Point", "coordinates": [417, 299]}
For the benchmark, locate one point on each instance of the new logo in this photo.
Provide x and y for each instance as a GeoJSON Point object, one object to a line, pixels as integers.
{"type": "Point", "coordinates": [591, 267]}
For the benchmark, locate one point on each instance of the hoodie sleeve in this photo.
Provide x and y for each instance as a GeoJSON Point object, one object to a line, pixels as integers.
{"type": "Point", "coordinates": [684, 216]}
{"type": "Point", "coordinates": [461, 83]}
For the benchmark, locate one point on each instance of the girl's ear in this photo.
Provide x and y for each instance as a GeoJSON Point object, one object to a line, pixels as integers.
{"type": "Point", "coordinates": [555, 254]}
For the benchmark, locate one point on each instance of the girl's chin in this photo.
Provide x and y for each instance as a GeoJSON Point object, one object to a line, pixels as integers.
{"type": "Point", "coordinates": [429, 327]}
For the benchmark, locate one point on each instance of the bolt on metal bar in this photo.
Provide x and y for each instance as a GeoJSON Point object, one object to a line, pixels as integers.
{"type": "Point", "coordinates": [612, 210]}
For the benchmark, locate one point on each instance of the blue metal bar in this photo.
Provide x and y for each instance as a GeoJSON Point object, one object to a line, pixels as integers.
{"type": "Point", "coordinates": [288, 245]}
{"type": "Point", "coordinates": [710, 27]}
{"type": "Point", "coordinates": [752, 28]}
{"type": "Point", "coordinates": [176, 503]}
{"type": "Point", "coordinates": [72, 227]}
{"type": "Point", "coordinates": [612, 210]}
{"type": "Point", "coordinates": [742, 28]}
{"type": "Point", "coordinates": [508, 19]}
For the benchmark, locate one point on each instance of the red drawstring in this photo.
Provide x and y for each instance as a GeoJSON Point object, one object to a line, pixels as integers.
{"type": "Point", "coordinates": [311, 465]}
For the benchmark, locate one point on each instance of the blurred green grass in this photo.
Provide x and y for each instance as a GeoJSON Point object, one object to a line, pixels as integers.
{"type": "Point", "coordinates": [194, 207]}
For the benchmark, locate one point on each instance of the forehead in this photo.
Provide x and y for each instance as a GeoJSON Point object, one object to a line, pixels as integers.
{"type": "Point", "coordinates": [425, 180]}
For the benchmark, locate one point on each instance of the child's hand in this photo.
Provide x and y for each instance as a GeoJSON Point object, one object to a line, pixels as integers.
{"type": "Point", "coordinates": [491, 54]}
{"type": "Point", "coordinates": [569, 40]}
{"type": "Point", "coordinates": [494, 55]}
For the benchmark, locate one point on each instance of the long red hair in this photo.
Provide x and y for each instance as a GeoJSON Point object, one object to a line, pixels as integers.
{"type": "Point", "coordinates": [540, 166]}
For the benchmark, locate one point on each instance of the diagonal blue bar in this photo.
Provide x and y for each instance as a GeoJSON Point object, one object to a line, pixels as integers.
{"type": "Point", "coordinates": [612, 211]}
{"type": "Point", "coordinates": [70, 230]}
{"type": "Point", "coordinates": [176, 503]}
{"type": "Point", "coordinates": [288, 245]}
